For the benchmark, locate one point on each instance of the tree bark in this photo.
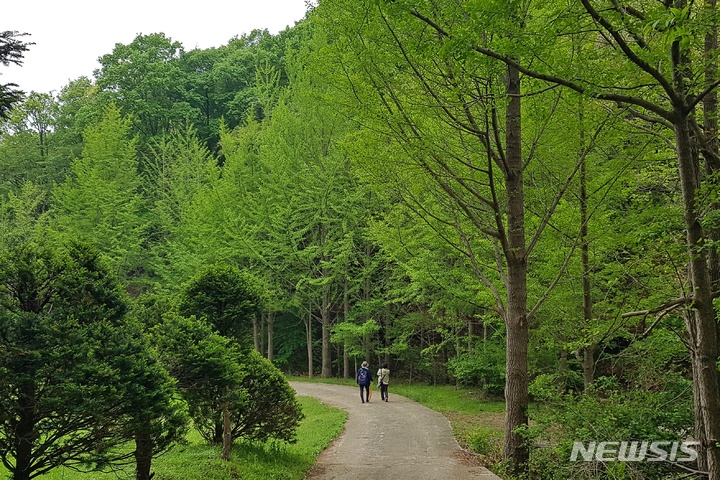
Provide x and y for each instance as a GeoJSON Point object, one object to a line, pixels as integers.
{"type": "Point", "coordinates": [256, 335]}
{"type": "Point", "coordinates": [227, 433]}
{"type": "Point", "coordinates": [710, 129]}
{"type": "Point", "coordinates": [308, 336]}
{"type": "Point", "coordinates": [143, 455]}
{"type": "Point", "coordinates": [516, 387]}
{"type": "Point", "coordinates": [270, 335]}
{"type": "Point", "coordinates": [24, 433]}
{"type": "Point", "coordinates": [588, 365]}
{"type": "Point", "coordinates": [346, 314]}
{"type": "Point", "coordinates": [588, 360]}
{"type": "Point", "coordinates": [701, 321]}
{"type": "Point", "coordinates": [326, 371]}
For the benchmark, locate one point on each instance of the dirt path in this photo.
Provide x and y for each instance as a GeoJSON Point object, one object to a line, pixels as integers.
{"type": "Point", "coordinates": [397, 440]}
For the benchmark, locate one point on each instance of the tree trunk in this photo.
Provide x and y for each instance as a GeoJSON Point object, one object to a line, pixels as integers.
{"type": "Point", "coordinates": [516, 388]}
{"type": "Point", "coordinates": [263, 322]}
{"type": "Point", "coordinates": [326, 371]}
{"type": "Point", "coordinates": [227, 433]}
{"type": "Point", "coordinates": [270, 335]}
{"type": "Point", "coordinates": [308, 336]}
{"type": "Point", "coordinates": [346, 314]}
{"type": "Point", "coordinates": [710, 128]}
{"type": "Point", "coordinates": [143, 455]}
{"type": "Point", "coordinates": [701, 322]}
{"type": "Point", "coordinates": [24, 433]}
{"type": "Point", "coordinates": [386, 335]}
{"type": "Point", "coordinates": [588, 359]}
{"type": "Point", "coordinates": [588, 365]}
{"type": "Point", "coordinates": [256, 335]}
{"type": "Point", "coordinates": [471, 334]}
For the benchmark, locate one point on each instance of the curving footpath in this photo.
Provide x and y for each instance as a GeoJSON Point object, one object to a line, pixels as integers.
{"type": "Point", "coordinates": [395, 440]}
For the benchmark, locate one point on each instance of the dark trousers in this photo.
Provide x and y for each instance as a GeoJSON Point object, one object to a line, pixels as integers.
{"type": "Point", "coordinates": [367, 393]}
{"type": "Point", "coordinates": [384, 391]}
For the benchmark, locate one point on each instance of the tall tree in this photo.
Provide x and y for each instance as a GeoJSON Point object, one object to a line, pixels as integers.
{"type": "Point", "coordinates": [77, 380]}
{"type": "Point", "coordinates": [144, 79]}
{"type": "Point", "coordinates": [446, 138]}
{"type": "Point", "coordinates": [642, 60]}
{"type": "Point", "coordinates": [100, 203]}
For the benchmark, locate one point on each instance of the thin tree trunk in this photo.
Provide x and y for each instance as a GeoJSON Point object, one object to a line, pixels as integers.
{"type": "Point", "coordinates": [386, 333]}
{"type": "Point", "coordinates": [326, 371]}
{"type": "Point", "coordinates": [256, 336]}
{"type": "Point", "coordinates": [588, 360]}
{"type": "Point", "coordinates": [588, 365]}
{"type": "Point", "coordinates": [471, 334]}
{"type": "Point", "coordinates": [227, 433]}
{"type": "Point", "coordinates": [346, 314]}
{"type": "Point", "coordinates": [308, 336]}
{"type": "Point", "coordinates": [270, 335]}
{"type": "Point", "coordinates": [263, 323]}
{"type": "Point", "coordinates": [710, 127]}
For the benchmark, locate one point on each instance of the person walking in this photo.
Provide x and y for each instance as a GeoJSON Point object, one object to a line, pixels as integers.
{"type": "Point", "coordinates": [383, 380]}
{"type": "Point", "coordinates": [364, 380]}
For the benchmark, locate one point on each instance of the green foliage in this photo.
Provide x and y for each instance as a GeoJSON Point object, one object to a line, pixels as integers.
{"type": "Point", "coordinates": [486, 442]}
{"type": "Point", "coordinates": [606, 413]}
{"type": "Point", "coordinates": [22, 216]}
{"type": "Point", "coordinates": [252, 460]}
{"type": "Point", "coordinates": [212, 370]}
{"type": "Point", "coordinates": [351, 336]}
{"type": "Point", "coordinates": [268, 408]}
{"type": "Point", "coordinates": [12, 50]}
{"type": "Point", "coordinates": [100, 204]}
{"type": "Point", "coordinates": [145, 80]}
{"type": "Point", "coordinates": [204, 363]}
{"type": "Point", "coordinates": [484, 368]}
{"type": "Point", "coordinates": [225, 296]}
{"type": "Point", "coordinates": [76, 379]}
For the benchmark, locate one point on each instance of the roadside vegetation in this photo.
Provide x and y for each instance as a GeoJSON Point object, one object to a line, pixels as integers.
{"type": "Point", "coordinates": [194, 459]}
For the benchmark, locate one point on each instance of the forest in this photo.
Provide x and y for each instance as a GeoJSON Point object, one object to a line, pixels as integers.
{"type": "Point", "coordinates": [517, 196]}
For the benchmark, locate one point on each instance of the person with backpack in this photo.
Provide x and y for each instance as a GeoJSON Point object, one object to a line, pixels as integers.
{"type": "Point", "coordinates": [364, 380]}
{"type": "Point", "coordinates": [383, 380]}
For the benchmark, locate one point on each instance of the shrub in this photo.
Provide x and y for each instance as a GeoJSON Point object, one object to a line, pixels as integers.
{"type": "Point", "coordinates": [484, 368]}
{"type": "Point", "coordinates": [605, 413]}
{"type": "Point", "coordinates": [269, 408]}
{"type": "Point", "coordinates": [263, 407]}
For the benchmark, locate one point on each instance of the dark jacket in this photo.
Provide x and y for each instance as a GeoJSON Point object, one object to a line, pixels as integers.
{"type": "Point", "coordinates": [368, 377]}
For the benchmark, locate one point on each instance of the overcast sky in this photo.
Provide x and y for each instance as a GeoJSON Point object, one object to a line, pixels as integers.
{"type": "Point", "coordinates": [70, 35]}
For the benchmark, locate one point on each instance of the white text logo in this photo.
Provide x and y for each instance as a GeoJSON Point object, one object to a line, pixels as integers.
{"type": "Point", "coordinates": [645, 451]}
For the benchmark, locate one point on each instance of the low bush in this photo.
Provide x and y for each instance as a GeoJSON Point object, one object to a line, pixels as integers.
{"type": "Point", "coordinates": [483, 368]}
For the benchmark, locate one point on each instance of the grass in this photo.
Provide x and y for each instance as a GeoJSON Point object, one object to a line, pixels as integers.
{"type": "Point", "coordinates": [478, 422]}
{"type": "Point", "coordinates": [249, 461]}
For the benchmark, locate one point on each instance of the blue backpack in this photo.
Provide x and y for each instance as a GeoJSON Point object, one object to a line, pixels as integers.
{"type": "Point", "coordinates": [362, 376]}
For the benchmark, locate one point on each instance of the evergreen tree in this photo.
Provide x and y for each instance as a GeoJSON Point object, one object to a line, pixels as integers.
{"type": "Point", "coordinates": [12, 50]}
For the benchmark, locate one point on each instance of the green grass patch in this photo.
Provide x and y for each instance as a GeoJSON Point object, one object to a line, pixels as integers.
{"type": "Point", "coordinates": [249, 461]}
{"type": "Point", "coordinates": [447, 398]}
